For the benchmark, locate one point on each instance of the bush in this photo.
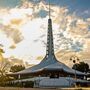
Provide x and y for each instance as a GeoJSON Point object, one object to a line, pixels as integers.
{"type": "Point", "coordinates": [28, 84]}
{"type": "Point", "coordinates": [21, 84]}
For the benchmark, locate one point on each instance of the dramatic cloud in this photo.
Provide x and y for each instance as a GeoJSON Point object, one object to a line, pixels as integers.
{"type": "Point", "coordinates": [24, 30]}
{"type": "Point", "coordinates": [14, 34]}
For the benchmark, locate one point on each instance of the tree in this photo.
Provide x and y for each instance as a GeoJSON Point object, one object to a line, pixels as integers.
{"type": "Point", "coordinates": [1, 54]}
{"type": "Point", "coordinates": [17, 68]}
{"type": "Point", "coordinates": [4, 66]}
{"type": "Point", "coordinates": [81, 66]}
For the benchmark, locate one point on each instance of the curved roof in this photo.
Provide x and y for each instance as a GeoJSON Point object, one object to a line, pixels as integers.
{"type": "Point", "coordinates": [49, 64]}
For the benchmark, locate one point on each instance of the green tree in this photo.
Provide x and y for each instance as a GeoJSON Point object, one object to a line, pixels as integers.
{"type": "Point", "coordinates": [17, 68]}
{"type": "Point", "coordinates": [81, 66]}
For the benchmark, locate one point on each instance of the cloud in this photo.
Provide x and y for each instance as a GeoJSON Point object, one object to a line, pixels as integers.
{"type": "Point", "coordinates": [16, 21]}
{"type": "Point", "coordinates": [13, 33]}
{"type": "Point", "coordinates": [15, 61]}
{"type": "Point", "coordinates": [1, 45]}
{"type": "Point", "coordinates": [72, 30]}
{"type": "Point", "coordinates": [12, 47]}
{"type": "Point", "coordinates": [26, 28]}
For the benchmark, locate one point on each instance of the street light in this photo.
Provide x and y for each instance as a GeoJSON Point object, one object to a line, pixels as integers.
{"type": "Point", "coordinates": [74, 59]}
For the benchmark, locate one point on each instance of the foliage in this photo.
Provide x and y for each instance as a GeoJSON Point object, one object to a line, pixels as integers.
{"type": "Point", "coordinates": [17, 68]}
{"type": "Point", "coordinates": [82, 66]}
{"type": "Point", "coordinates": [4, 66]}
{"type": "Point", "coordinates": [26, 84]}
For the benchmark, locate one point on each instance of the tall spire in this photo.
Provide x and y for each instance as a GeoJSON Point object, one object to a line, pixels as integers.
{"type": "Point", "coordinates": [49, 10]}
{"type": "Point", "coordinates": [50, 46]}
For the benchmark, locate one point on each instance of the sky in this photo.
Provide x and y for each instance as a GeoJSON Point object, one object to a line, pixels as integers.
{"type": "Point", "coordinates": [23, 29]}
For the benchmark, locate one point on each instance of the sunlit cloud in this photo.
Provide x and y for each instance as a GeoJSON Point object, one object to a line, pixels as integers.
{"type": "Point", "coordinates": [13, 34]}
{"type": "Point", "coordinates": [23, 31]}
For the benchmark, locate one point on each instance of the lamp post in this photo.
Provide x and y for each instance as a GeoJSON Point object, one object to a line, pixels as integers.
{"type": "Point", "coordinates": [74, 59]}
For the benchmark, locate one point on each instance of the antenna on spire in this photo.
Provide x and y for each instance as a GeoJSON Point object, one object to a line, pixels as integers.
{"type": "Point", "coordinates": [49, 10]}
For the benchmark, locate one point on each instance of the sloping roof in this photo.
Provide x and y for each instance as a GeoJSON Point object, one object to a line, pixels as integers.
{"type": "Point", "coordinates": [63, 67]}
{"type": "Point", "coordinates": [49, 64]}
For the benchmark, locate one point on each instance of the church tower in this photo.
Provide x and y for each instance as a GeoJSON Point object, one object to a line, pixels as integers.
{"type": "Point", "coordinates": [50, 46]}
{"type": "Point", "coordinates": [50, 57]}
